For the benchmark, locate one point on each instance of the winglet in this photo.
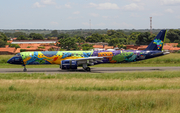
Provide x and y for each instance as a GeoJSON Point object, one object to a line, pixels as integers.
{"type": "Point", "coordinates": [158, 42]}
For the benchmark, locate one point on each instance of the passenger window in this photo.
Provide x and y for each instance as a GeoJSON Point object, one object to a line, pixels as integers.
{"type": "Point", "coordinates": [66, 62]}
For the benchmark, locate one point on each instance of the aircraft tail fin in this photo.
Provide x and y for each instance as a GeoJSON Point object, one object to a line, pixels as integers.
{"type": "Point", "coordinates": [158, 42]}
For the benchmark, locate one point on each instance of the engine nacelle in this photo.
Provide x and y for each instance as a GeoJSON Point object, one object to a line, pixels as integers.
{"type": "Point", "coordinates": [69, 64]}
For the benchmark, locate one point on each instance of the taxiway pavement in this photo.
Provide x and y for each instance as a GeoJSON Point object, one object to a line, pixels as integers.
{"type": "Point", "coordinates": [93, 70]}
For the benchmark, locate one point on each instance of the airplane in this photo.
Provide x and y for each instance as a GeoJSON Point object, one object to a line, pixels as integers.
{"type": "Point", "coordinates": [70, 60]}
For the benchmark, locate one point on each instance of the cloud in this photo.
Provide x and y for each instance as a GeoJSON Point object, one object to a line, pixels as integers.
{"type": "Point", "coordinates": [169, 11]}
{"type": "Point", "coordinates": [94, 14]}
{"type": "Point", "coordinates": [54, 23]}
{"type": "Point", "coordinates": [48, 2]}
{"type": "Point", "coordinates": [105, 17]}
{"type": "Point", "coordinates": [133, 6]}
{"type": "Point", "coordinates": [86, 23]}
{"type": "Point", "coordinates": [156, 14]}
{"type": "Point", "coordinates": [178, 17]}
{"type": "Point", "coordinates": [170, 2]}
{"type": "Point", "coordinates": [43, 3]}
{"type": "Point", "coordinates": [134, 15]}
{"type": "Point", "coordinates": [76, 12]}
{"type": "Point", "coordinates": [104, 5]}
{"type": "Point", "coordinates": [37, 4]}
{"type": "Point", "coordinates": [68, 6]}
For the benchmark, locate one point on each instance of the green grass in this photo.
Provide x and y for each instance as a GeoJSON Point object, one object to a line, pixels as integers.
{"type": "Point", "coordinates": [120, 75]}
{"type": "Point", "coordinates": [90, 93]}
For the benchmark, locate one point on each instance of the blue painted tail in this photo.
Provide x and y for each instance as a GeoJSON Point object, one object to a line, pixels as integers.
{"type": "Point", "coordinates": [158, 42]}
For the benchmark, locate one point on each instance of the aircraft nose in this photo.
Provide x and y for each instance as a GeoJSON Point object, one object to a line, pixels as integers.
{"type": "Point", "coordinates": [9, 61]}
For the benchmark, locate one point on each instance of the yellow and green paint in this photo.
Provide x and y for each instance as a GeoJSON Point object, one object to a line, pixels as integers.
{"type": "Point", "coordinates": [55, 57]}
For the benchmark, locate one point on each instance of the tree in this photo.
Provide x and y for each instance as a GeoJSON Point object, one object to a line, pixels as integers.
{"type": "Point", "coordinates": [38, 37]}
{"type": "Point", "coordinates": [22, 37]}
{"type": "Point", "coordinates": [2, 43]}
{"type": "Point", "coordinates": [133, 38]}
{"type": "Point", "coordinates": [111, 32]}
{"type": "Point", "coordinates": [22, 50]}
{"type": "Point", "coordinates": [63, 35]}
{"type": "Point", "coordinates": [173, 35]}
{"type": "Point", "coordinates": [79, 40]}
{"type": "Point", "coordinates": [9, 34]}
{"type": "Point", "coordinates": [68, 43]}
{"type": "Point", "coordinates": [87, 46]}
{"type": "Point", "coordinates": [3, 37]}
{"type": "Point", "coordinates": [167, 40]}
{"type": "Point", "coordinates": [54, 33]}
{"type": "Point", "coordinates": [17, 34]}
{"type": "Point", "coordinates": [15, 45]}
{"type": "Point", "coordinates": [121, 46]}
{"type": "Point", "coordinates": [31, 35]}
{"type": "Point", "coordinates": [143, 38]}
{"type": "Point", "coordinates": [95, 38]}
{"type": "Point", "coordinates": [113, 42]}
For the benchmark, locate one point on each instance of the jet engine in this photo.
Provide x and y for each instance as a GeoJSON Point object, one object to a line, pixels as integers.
{"type": "Point", "coordinates": [68, 64]}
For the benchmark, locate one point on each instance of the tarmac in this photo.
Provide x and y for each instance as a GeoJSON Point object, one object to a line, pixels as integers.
{"type": "Point", "coordinates": [93, 70]}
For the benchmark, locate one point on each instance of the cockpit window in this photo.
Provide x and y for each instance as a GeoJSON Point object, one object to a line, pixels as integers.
{"type": "Point", "coordinates": [18, 55]}
{"type": "Point", "coordinates": [17, 59]}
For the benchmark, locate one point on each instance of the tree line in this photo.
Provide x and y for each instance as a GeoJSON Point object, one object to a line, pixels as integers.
{"type": "Point", "coordinates": [112, 37]}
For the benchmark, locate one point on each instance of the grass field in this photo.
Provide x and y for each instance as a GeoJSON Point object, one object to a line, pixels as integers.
{"type": "Point", "coordinates": [133, 92]}
{"type": "Point", "coordinates": [172, 59]}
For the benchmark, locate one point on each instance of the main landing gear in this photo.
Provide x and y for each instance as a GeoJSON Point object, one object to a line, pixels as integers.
{"type": "Point", "coordinates": [24, 69]}
{"type": "Point", "coordinates": [86, 68]}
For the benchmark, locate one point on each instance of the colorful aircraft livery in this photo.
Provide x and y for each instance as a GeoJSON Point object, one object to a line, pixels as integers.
{"type": "Point", "coordinates": [74, 59]}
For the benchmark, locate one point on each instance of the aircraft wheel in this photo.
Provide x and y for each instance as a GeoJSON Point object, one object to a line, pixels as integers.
{"type": "Point", "coordinates": [24, 69]}
{"type": "Point", "coordinates": [88, 69]}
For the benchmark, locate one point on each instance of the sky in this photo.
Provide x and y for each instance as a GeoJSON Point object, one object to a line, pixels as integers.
{"type": "Point", "coordinates": [86, 14]}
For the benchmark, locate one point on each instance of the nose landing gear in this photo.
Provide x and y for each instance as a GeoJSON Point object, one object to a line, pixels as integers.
{"type": "Point", "coordinates": [24, 69]}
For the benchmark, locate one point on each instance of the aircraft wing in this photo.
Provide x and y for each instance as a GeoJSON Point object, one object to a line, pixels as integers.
{"type": "Point", "coordinates": [88, 60]}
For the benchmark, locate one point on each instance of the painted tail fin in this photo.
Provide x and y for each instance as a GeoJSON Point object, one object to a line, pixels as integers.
{"type": "Point", "coordinates": [158, 42]}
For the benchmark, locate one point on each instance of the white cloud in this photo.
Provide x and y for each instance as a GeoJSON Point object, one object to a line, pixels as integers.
{"type": "Point", "coordinates": [58, 7]}
{"type": "Point", "coordinates": [133, 6]}
{"type": "Point", "coordinates": [93, 4]}
{"type": "Point", "coordinates": [134, 15]}
{"type": "Point", "coordinates": [94, 14]}
{"type": "Point", "coordinates": [68, 6]}
{"type": "Point", "coordinates": [105, 17]}
{"type": "Point", "coordinates": [169, 11]}
{"type": "Point", "coordinates": [178, 17]}
{"type": "Point", "coordinates": [170, 2]}
{"type": "Point", "coordinates": [76, 12]}
{"type": "Point", "coordinates": [86, 23]}
{"type": "Point", "coordinates": [156, 14]}
{"type": "Point", "coordinates": [37, 4]}
{"type": "Point", "coordinates": [54, 23]}
{"type": "Point", "coordinates": [48, 2]}
{"type": "Point", "coordinates": [43, 3]}
{"type": "Point", "coordinates": [104, 5]}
